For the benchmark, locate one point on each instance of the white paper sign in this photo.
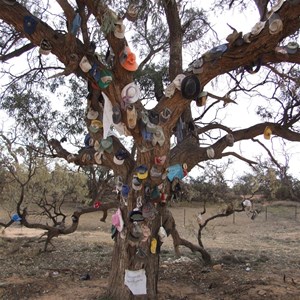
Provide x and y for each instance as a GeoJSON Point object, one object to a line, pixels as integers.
{"type": "Point", "coordinates": [136, 281]}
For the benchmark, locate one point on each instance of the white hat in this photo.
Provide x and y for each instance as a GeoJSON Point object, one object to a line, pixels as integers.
{"type": "Point", "coordinates": [92, 114]}
{"type": "Point", "coordinates": [119, 31]}
{"type": "Point", "coordinates": [130, 93]}
{"type": "Point", "coordinates": [170, 90]}
{"type": "Point", "coordinates": [277, 6]}
{"type": "Point", "coordinates": [85, 64]}
{"type": "Point", "coordinates": [275, 24]}
{"type": "Point", "coordinates": [258, 27]}
{"type": "Point", "coordinates": [210, 152]}
{"type": "Point", "coordinates": [177, 81]}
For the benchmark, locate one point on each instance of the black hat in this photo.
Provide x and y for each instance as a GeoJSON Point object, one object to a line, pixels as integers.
{"type": "Point", "coordinates": [190, 87]}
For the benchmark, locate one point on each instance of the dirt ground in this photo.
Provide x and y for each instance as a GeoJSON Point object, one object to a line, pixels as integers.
{"type": "Point", "coordinates": [257, 259]}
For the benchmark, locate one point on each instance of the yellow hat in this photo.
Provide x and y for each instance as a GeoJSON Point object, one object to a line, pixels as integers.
{"type": "Point", "coordinates": [267, 133]}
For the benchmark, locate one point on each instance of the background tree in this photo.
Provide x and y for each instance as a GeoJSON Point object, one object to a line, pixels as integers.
{"type": "Point", "coordinates": [161, 31]}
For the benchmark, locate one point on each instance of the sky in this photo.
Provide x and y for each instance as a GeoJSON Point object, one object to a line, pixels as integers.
{"type": "Point", "coordinates": [233, 114]}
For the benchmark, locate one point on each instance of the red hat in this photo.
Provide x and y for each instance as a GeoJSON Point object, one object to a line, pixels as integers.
{"type": "Point", "coordinates": [128, 60]}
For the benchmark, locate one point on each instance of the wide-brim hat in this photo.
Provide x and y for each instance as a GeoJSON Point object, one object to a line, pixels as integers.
{"type": "Point", "coordinates": [258, 27]}
{"type": "Point", "coordinates": [85, 65]}
{"type": "Point", "coordinates": [178, 80]}
{"type": "Point", "coordinates": [190, 87]}
{"type": "Point", "coordinates": [136, 216]}
{"type": "Point", "coordinates": [130, 93]}
{"type": "Point", "coordinates": [128, 60]}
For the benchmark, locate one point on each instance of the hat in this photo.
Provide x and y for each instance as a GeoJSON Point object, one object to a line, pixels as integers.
{"type": "Point", "coordinates": [233, 37]}
{"type": "Point", "coordinates": [197, 66]}
{"type": "Point", "coordinates": [87, 140]}
{"type": "Point", "coordinates": [142, 172]}
{"type": "Point", "coordinates": [292, 47]}
{"type": "Point", "coordinates": [153, 117]}
{"type": "Point", "coordinates": [165, 115]}
{"type": "Point", "coordinates": [160, 160]}
{"type": "Point", "coordinates": [132, 12]}
{"type": "Point", "coordinates": [229, 139]}
{"type": "Point", "coordinates": [215, 52]}
{"type": "Point", "coordinates": [16, 218]}
{"type": "Point", "coordinates": [275, 24]}
{"type": "Point", "coordinates": [258, 27]}
{"type": "Point", "coordinates": [85, 65]}
{"type": "Point", "coordinates": [190, 87]}
{"type": "Point", "coordinates": [277, 6]}
{"type": "Point", "coordinates": [107, 144]}
{"type": "Point", "coordinates": [136, 183]}
{"type": "Point", "coordinates": [120, 155]}
{"type": "Point", "coordinates": [95, 126]}
{"type": "Point", "coordinates": [131, 116]}
{"type": "Point", "coordinates": [147, 136]}
{"type": "Point", "coordinates": [29, 24]}
{"type": "Point", "coordinates": [201, 99]}
{"type": "Point", "coordinates": [114, 231]}
{"type": "Point", "coordinates": [95, 72]}
{"type": "Point", "coordinates": [149, 211]}
{"type": "Point", "coordinates": [125, 190]}
{"type": "Point", "coordinates": [92, 114]}
{"type": "Point", "coordinates": [155, 172]}
{"type": "Point", "coordinates": [117, 116]}
{"type": "Point", "coordinates": [170, 90]}
{"type": "Point", "coordinates": [153, 245]}
{"type": "Point", "coordinates": [128, 60]}
{"type": "Point", "coordinates": [130, 93]}
{"type": "Point", "coordinates": [210, 152]}
{"type": "Point", "coordinates": [151, 127]}
{"type": "Point", "coordinates": [136, 216]}
{"type": "Point", "coordinates": [162, 234]}
{"type": "Point", "coordinates": [267, 133]}
{"type": "Point", "coordinates": [158, 137]}
{"type": "Point", "coordinates": [144, 117]}
{"type": "Point", "coordinates": [98, 157]}
{"type": "Point", "coordinates": [246, 37]}
{"type": "Point", "coordinates": [105, 79]}
{"type": "Point", "coordinates": [119, 31]}
{"type": "Point", "coordinates": [177, 81]}
{"type": "Point", "coordinates": [250, 68]}
{"type": "Point", "coordinates": [175, 171]}
{"type": "Point", "coordinates": [281, 51]}
{"type": "Point", "coordinates": [155, 194]}
{"type": "Point", "coordinates": [97, 204]}
{"type": "Point", "coordinates": [45, 47]}
{"type": "Point", "coordinates": [76, 23]}
{"type": "Point", "coordinates": [117, 220]}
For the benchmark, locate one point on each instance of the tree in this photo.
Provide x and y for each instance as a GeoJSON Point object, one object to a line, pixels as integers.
{"type": "Point", "coordinates": [161, 31]}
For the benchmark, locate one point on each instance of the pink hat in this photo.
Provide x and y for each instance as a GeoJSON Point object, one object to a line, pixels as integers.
{"type": "Point", "coordinates": [117, 220]}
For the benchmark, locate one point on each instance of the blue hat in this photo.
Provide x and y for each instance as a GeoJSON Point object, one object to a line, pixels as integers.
{"type": "Point", "coordinates": [125, 190]}
{"type": "Point", "coordinates": [76, 24]}
{"type": "Point", "coordinates": [29, 24]}
{"type": "Point", "coordinates": [87, 140]}
{"type": "Point", "coordinates": [16, 218]}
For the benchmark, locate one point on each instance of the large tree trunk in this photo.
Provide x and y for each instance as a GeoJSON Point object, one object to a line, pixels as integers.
{"type": "Point", "coordinates": [122, 255]}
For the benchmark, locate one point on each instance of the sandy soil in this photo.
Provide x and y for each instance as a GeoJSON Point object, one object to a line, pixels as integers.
{"type": "Point", "coordinates": [257, 259]}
